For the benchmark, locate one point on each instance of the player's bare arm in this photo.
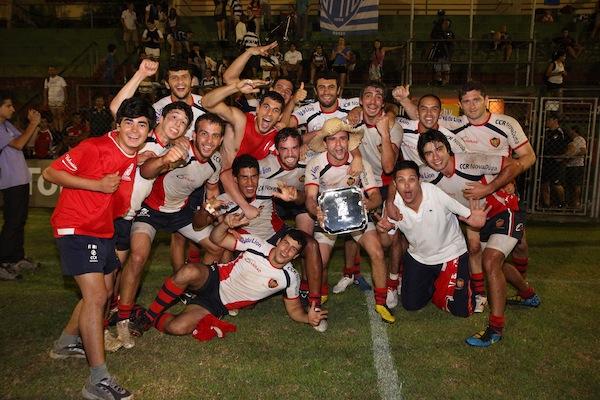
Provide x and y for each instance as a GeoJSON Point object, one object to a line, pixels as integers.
{"type": "Point", "coordinates": [286, 115]}
{"type": "Point", "coordinates": [220, 232]}
{"type": "Point", "coordinates": [296, 312]}
{"type": "Point", "coordinates": [107, 184]}
{"type": "Point", "coordinates": [175, 156]}
{"type": "Point", "coordinates": [389, 151]}
{"type": "Point", "coordinates": [147, 69]}
{"type": "Point", "coordinates": [477, 190]}
{"type": "Point", "coordinates": [35, 118]}
{"type": "Point", "coordinates": [402, 95]}
{"type": "Point", "coordinates": [373, 199]}
{"type": "Point", "coordinates": [232, 74]}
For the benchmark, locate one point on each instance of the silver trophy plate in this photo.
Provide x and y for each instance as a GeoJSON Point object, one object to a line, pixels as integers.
{"type": "Point", "coordinates": [343, 209]}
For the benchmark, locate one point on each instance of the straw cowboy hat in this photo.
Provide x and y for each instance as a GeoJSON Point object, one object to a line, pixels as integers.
{"type": "Point", "coordinates": [330, 128]}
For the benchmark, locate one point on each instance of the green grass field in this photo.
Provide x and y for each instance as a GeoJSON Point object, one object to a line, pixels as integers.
{"type": "Point", "coordinates": [552, 352]}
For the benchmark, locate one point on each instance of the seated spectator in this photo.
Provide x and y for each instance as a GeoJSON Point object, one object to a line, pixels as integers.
{"type": "Point", "coordinates": [42, 147]}
{"type": "Point", "coordinates": [292, 63]}
{"type": "Point", "coordinates": [271, 65]}
{"type": "Point", "coordinates": [575, 166]}
{"type": "Point", "coordinates": [101, 120]}
{"type": "Point", "coordinates": [196, 60]}
{"type": "Point", "coordinates": [568, 44]}
{"type": "Point", "coordinates": [318, 62]}
{"type": "Point", "coordinates": [225, 63]}
{"type": "Point", "coordinates": [501, 40]}
{"type": "Point", "coordinates": [78, 127]}
{"type": "Point", "coordinates": [240, 30]}
{"type": "Point", "coordinates": [209, 81]}
{"type": "Point", "coordinates": [547, 17]}
{"type": "Point", "coordinates": [153, 39]}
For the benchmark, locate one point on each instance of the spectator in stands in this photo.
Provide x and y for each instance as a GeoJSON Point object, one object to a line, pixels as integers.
{"type": "Point", "coordinates": [271, 64]}
{"type": "Point", "coordinates": [129, 23]}
{"type": "Point", "coordinates": [302, 19]}
{"type": "Point", "coordinates": [547, 17]}
{"type": "Point", "coordinates": [575, 166]}
{"type": "Point", "coordinates": [265, 8]}
{"type": "Point", "coordinates": [109, 65]}
{"type": "Point", "coordinates": [251, 40]}
{"type": "Point", "coordinates": [220, 18]}
{"type": "Point", "coordinates": [292, 64]}
{"type": "Point", "coordinates": [225, 63]}
{"type": "Point", "coordinates": [240, 30]}
{"type": "Point", "coordinates": [340, 57]}
{"type": "Point", "coordinates": [377, 56]}
{"type": "Point", "coordinates": [43, 139]}
{"type": "Point", "coordinates": [153, 39]}
{"type": "Point", "coordinates": [163, 17]}
{"type": "Point", "coordinates": [236, 10]}
{"type": "Point", "coordinates": [14, 185]}
{"type": "Point", "coordinates": [553, 170]}
{"type": "Point", "coordinates": [255, 14]}
{"type": "Point", "coordinates": [196, 59]}
{"type": "Point", "coordinates": [151, 11]}
{"type": "Point", "coordinates": [209, 81]}
{"type": "Point", "coordinates": [78, 127]}
{"type": "Point", "coordinates": [501, 40]}
{"type": "Point", "coordinates": [318, 62]}
{"type": "Point", "coordinates": [55, 97]}
{"type": "Point", "coordinates": [441, 51]}
{"type": "Point", "coordinates": [555, 73]}
{"type": "Point", "coordinates": [101, 120]}
{"type": "Point", "coordinates": [568, 44]}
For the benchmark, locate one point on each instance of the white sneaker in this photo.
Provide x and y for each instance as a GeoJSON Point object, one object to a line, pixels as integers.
{"type": "Point", "coordinates": [480, 302]}
{"type": "Point", "coordinates": [391, 299]}
{"type": "Point", "coordinates": [234, 312]}
{"type": "Point", "coordinates": [124, 335]}
{"type": "Point", "coordinates": [111, 343]}
{"type": "Point", "coordinates": [343, 284]}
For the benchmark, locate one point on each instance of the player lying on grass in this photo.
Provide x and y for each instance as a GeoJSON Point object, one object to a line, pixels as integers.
{"type": "Point", "coordinates": [260, 271]}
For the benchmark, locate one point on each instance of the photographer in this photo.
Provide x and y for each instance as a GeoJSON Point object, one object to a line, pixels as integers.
{"type": "Point", "coordinates": [441, 49]}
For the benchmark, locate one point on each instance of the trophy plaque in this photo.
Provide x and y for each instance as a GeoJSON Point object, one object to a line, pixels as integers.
{"type": "Point", "coordinates": [343, 209]}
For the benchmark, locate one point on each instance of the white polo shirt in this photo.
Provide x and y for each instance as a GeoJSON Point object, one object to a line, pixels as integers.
{"type": "Point", "coordinates": [433, 233]}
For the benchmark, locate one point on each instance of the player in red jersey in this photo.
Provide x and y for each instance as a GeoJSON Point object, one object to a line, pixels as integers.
{"type": "Point", "coordinates": [97, 178]}
{"type": "Point", "coordinates": [248, 134]}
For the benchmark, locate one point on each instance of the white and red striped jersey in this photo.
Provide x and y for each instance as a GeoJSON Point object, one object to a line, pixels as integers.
{"type": "Point", "coordinates": [251, 276]}
{"type": "Point", "coordinates": [171, 191]}
{"type": "Point", "coordinates": [499, 135]}
{"type": "Point", "coordinates": [197, 110]}
{"type": "Point", "coordinates": [272, 169]}
{"type": "Point", "coordinates": [325, 175]}
{"type": "Point", "coordinates": [370, 149]}
{"type": "Point", "coordinates": [268, 222]}
{"type": "Point", "coordinates": [142, 186]}
{"type": "Point", "coordinates": [312, 117]}
{"type": "Point", "coordinates": [410, 139]}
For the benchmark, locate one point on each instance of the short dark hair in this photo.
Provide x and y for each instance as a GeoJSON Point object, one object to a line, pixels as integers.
{"type": "Point", "coordinates": [111, 47]}
{"type": "Point", "coordinates": [243, 161]}
{"type": "Point", "coordinates": [553, 115]}
{"type": "Point", "coordinates": [297, 236]}
{"type": "Point", "coordinates": [430, 95]}
{"type": "Point", "coordinates": [283, 78]}
{"type": "Point", "coordinates": [179, 105]}
{"type": "Point", "coordinates": [328, 75]}
{"type": "Point", "coordinates": [136, 107]}
{"type": "Point", "coordinates": [286, 133]}
{"type": "Point", "coordinates": [374, 84]}
{"type": "Point", "coordinates": [406, 164]}
{"type": "Point", "coordinates": [273, 96]}
{"type": "Point", "coordinates": [212, 118]}
{"type": "Point", "coordinates": [558, 54]}
{"type": "Point", "coordinates": [471, 85]}
{"type": "Point", "coordinates": [179, 65]}
{"type": "Point", "coordinates": [432, 135]}
{"type": "Point", "coordinates": [5, 95]}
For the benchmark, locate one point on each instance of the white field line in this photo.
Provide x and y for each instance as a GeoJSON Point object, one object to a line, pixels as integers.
{"type": "Point", "coordinates": [387, 377]}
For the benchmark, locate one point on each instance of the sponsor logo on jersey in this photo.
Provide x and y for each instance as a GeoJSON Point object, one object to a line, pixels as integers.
{"type": "Point", "coordinates": [273, 283]}
{"type": "Point", "coordinates": [301, 178]}
{"type": "Point", "coordinates": [495, 142]}
{"type": "Point", "coordinates": [519, 227]}
{"type": "Point", "coordinates": [500, 223]}
{"type": "Point", "coordinates": [69, 163]}
{"type": "Point", "coordinates": [127, 174]}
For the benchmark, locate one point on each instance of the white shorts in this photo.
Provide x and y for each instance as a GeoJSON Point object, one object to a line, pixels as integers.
{"type": "Point", "coordinates": [503, 243]}
{"type": "Point", "coordinates": [187, 231]}
{"type": "Point", "coordinates": [329, 240]}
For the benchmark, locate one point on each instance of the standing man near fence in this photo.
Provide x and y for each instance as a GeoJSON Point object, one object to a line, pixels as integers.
{"type": "Point", "coordinates": [14, 184]}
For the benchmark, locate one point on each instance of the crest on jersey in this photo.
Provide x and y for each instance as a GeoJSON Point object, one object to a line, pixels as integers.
{"type": "Point", "coordinates": [495, 142]}
{"type": "Point", "coordinates": [273, 283]}
{"type": "Point", "coordinates": [500, 223]}
{"type": "Point", "coordinates": [301, 178]}
{"type": "Point", "coordinates": [127, 174]}
{"type": "Point", "coordinates": [351, 181]}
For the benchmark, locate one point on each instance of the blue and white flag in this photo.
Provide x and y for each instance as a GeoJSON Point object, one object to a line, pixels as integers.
{"type": "Point", "coordinates": [342, 17]}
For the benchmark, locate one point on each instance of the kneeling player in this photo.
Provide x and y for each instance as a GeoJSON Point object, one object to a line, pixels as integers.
{"type": "Point", "coordinates": [436, 264]}
{"type": "Point", "coordinates": [260, 271]}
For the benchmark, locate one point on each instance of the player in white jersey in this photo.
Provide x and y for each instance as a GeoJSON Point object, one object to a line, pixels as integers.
{"type": "Point", "coordinates": [180, 171]}
{"type": "Point", "coordinates": [285, 167]}
{"type": "Point", "coordinates": [260, 271]}
{"type": "Point", "coordinates": [436, 262]}
{"type": "Point", "coordinates": [505, 222]}
{"type": "Point", "coordinates": [179, 81]}
{"type": "Point", "coordinates": [330, 170]}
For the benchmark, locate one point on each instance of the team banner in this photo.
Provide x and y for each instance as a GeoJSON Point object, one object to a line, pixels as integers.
{"type": "Point", "coordinates": [343, 17]}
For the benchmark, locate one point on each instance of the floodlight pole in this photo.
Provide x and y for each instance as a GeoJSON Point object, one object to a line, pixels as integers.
{"type": "Point", "coordinates": [470, 67]}
{"type": "Point", "coordinates": [530, 52]}
{"type": "Point", "coordinates": [411, 43]}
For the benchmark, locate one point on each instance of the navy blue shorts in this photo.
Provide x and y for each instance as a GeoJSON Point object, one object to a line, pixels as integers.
{"type": "Point", "coordinates": [85, 254]}
{"type": "Point", "coordinates": [123, 234]}
{"type": "Point", "coordinates": [208, 295]}
{"type": "Point", "coordinates": [161, 221]}
{"type": "Point", "coordinates": [197, 198]}
{"type": "Point", "coordinates": [510, 223]}
{"type": "Point", "coordinates": [288, 210]}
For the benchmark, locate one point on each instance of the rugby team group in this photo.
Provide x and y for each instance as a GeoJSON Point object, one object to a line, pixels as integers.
{"type": "Point", "coordinates": [229, 184]}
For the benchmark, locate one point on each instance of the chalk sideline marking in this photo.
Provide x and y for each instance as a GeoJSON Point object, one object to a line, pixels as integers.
{"type": "Point", "coordinates": [387, 377]}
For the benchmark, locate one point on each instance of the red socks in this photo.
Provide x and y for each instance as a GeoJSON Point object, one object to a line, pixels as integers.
{"type": "Point", "coordinates": [167, 294]}
{"type": "Point", "coordinates": [380, 295]}
{"type": "Point", "coordinates": [210, 327]}
{"type": "Point", "coordinates": [497, 323]}
{"type": "Point", "coordinates": [478, 283]}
